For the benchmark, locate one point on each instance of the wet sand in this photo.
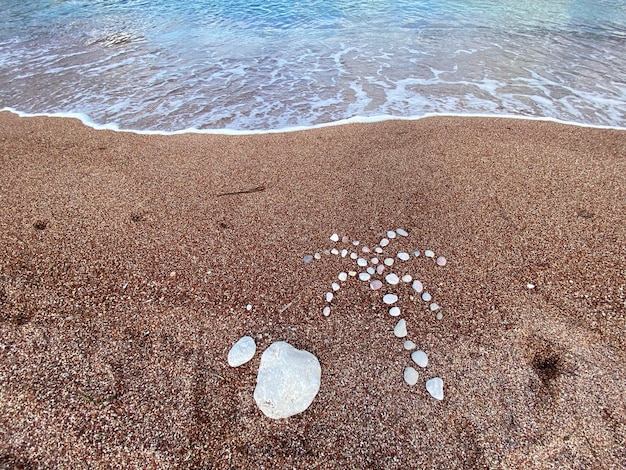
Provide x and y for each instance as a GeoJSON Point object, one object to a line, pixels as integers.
{"type": "Point", "coordinates": [125, 271]}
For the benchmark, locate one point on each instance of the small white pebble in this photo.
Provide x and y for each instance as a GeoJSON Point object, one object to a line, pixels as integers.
{"type": "Point", "coordinates": [434, 307]}
{"type": "Point", "coordinates": [420, 358]}
{"type": "Point", "coordinates": [441, 261]}
{"type": "Point", "coordinates": [329, 297]}
{"type": "Point", "coordinates": [334, 251]}
{"type": "Point", "coordinates": [388, 262]}
{"type": "Point", "coordinates": [361, 262]}
{"type": "Point", "coordinates": [407, 278]}
{"type": "Point", "coordinates": [356, 242]}
{"type": "Point", "coordinates": [392, 279]}
{"type": "Point", "coordinates": [426, 297]}
{"type": "Point", "coordinates": [391, 234]}
{"type": "Point", "coordinates": [335, 286]}
{"type": "Point", "coordinates": [342, 276]}
{"type": "Point", "coordinates": [384, 242]}
{"type": "Point", "coordinates": [353, 256]}
{"type": "Point", "coordinates": [429, 254]}
{"type": "Point", "coordinates": [416, 253]}
{"type": "Point", "coordinates": [376, 284]}
{"type": "Point", "coordinates": [394, 311]}
{"type": "Point", "coordinates": [318, 256]}
{"type": "Point", "coordinates": [435, 388]}
{"type": "Point", "coordinates": [402, 232]}
{"type": "Point", "coordinates": [334, 237]}
{"type": "Point", "coordinates": [439, 316]}
{"type": "Point", "coordinates": [249, 307]}
{"type": "Point", "coordinates": [365, 249]}
{"type": "Point", "coordinates": [371, 270]}
{"type": "Point", "coordinates": [530, 286]}
{"type": "Point", "coordinates": [326, 311]}
{"type": "Point", "coordinates": [307, 258]}
{"type": "Point", "coordinates": [345, 239]}
{"type": "Point", "coordinates": [351, 273]}
{"type": "Point", "coordinates": [344, 253]}
{"type": "Point", "coordinates": [380, 268]}
{"type": "Point", "coordinates": [378, 250]}
{"type": "Point", "coordinates": [409, 345]}
{"type": "Point", "coordinates": [374, 261]}
{"type": "Point", "coordinates": [390, 299]}
{"type": "Point", "coordinates": [410, 376]}
{"type": "Point", "coordinates": [365, 276]}
{"type": "Point", "coordinates": [400, 329]}
{"type": "Point", "coordinates": [403, 256]}
{"type": "Point", "coordinates": [417, 286]}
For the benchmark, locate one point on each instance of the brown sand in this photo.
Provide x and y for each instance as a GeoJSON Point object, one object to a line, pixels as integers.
{"type": "Point", "coordinates": [124, 278]}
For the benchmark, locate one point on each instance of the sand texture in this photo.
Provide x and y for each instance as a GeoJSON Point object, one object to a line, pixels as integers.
{"type": "Point", "coordinates": [125, 272]}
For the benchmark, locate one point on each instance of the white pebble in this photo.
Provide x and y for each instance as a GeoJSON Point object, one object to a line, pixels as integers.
{"type": "Point", "coordinates": [376, 284]}
{"type": "Point", "coordinates": [410, 376]}
{"type": "Point", "coordinates": [429, 254]}
{"type": "Point", "coordinates": [365, 276]}
{"type": "Point", "coordinates": [400, 329]}
{"type": "Point", "coordinates": [439, 316]}
{"type": "Point", "coordinates": [378, 250]}
{"type": "Point", "coordinates": [374, 261]}
{"type": "Point", "coordinates": [249, 307]}
{"type": "Point", "coordinates": [345, 239]}
{"type": "Point", "coordinates": [356, 242]}
{"type": "Point", "coordinates": [401, 231]}
{"type": "Point", "coordinates": [409, 345]}
{"type": "Point", "coordinates": [318, 256]}
{"type": "Point", "coordinates": [388, 262]}
{"type": "Point", "coordinates": [335, 286]}
{"type": "Point", "coordinates": [351, 273]}
{"type": "Point", "coordinates": [307, 258]}
{"type": "Point", "coordinates": [441, 261]}
{"type": "Point", "coordinates": [370, 270]}
{"type": "Point", "coordinates": [435, 388]}
{"type": "Point", "coordinates": [384, 242]}
{"type": "Point", "coordinates": [417, 286]}
{"type": "Point", "coordinates": [329, 297]}
{"type": "Point", "coordinates": [334, 237]}
{"type": "Point", "coordinates": [380, 268]}
{"type": "Point", "coordinates": [361, 262]}
{"type": "Point", "coordinates": [394, 311]}
{"type": "Point", "coordinates": [334, 251]}
{"type": "Point", "coordinates": [391, 234]}
{"type": "Point", "coordinates": [242, 351]}
{"type": "Point", "coordinates": [416, 253]}
{"type": "Point", "coordinates": [342, 276]}
{"type": "Point", "coordinates": [426, 297]}
{"type": "Point", "coordinates": [392, 279]}
{"type": "Point", "coordinates": [390, 299]}
{"type": "Point", "coordinates": [353, 256]}
{"type": "Point", "coordinates": [434, 307]}
{"type": "Point", "coordinates": [407, 278]}
{"type": "Point", "coordinates": [365, 249]}
{"type": "Point", "coordinates": [326, 311]}
{"type": "Point", "coordinates": [420, 358]}
{"type": "Point", "coordinates": [403, 256]}
{"type": "Point", "coordinates": [530, 286]}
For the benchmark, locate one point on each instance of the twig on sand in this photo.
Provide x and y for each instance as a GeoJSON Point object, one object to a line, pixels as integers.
{"type": "Point", "coordinates": [244, 191]}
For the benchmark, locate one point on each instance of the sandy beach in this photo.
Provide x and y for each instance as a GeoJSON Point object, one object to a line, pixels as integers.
{"type": "Point", "coordinates": [127, 262]}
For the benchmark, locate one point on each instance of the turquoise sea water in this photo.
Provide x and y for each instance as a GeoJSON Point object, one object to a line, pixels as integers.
{"type": "Point", "coordinates": [259, 65]}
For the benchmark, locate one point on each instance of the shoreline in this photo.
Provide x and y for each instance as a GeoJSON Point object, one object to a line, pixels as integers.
{"type": "Point", "coordinates": [127, 262]}
{"type": "Point", "coordinates": [86, 121]}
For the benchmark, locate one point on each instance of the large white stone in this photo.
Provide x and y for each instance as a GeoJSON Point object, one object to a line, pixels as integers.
{"type": "Point", "coordinates": [410, 375]}
{"type": "Point", "coordinates": [241, 352]}
{"type": "Point", "coordinates": [420, 358]}
{"type": "Point", "coordinates": [400, 329]}
{"type": "Point", "coordinates": [287, 382]}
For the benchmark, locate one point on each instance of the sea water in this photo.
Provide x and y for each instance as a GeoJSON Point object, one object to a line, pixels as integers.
{"type": "Point", "coordinates": [169, 65]}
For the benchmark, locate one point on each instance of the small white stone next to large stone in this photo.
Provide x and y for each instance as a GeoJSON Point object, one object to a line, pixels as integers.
{"type": "Point", "coordinates": [384, 242]}
{"type": "Point", "coordinates": [420, 358]}
{"type": "Point", "coordinates": [394, 311]}
{"type": "Point", "coordinates": [400, 329]}
{"type": "Point", "coordinates": [426, 297]}
{"type": "Point", "coordinates": [365, 276]}
{"type": "Point", "coordinates": [334, 237]}
{"type": "Point", "coordinates": [403, 256]}
{"type": "Point", "coordinates": [410, 376]}
{"type": "Point", "coordinates": [342, 276]}
{"type": "Point", "coordinates": [435, 388]}
{"type": "Point", "coordinates": [335, 286]}
{"type": "Point", "coordinates": [417, 286]}
{"type": "Point", "coordinates": [409, 345]}
{"type": "Point", "coordinates": [392, 279]}
{"type": "Point", "coordinates": [402, 232]}
{"type": "Point", "coordinates": [429, 253]}
{"type": "Point", "coordinates": [287, 382]}
{"type": "Point", "coordinates": [242, 351]}
{"type": "Point", "coordinates": [391, 234]}
{"type": "Point", "coordinates": [329, 297]}
{"type": "Point", "coordinates": [390, 299]}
